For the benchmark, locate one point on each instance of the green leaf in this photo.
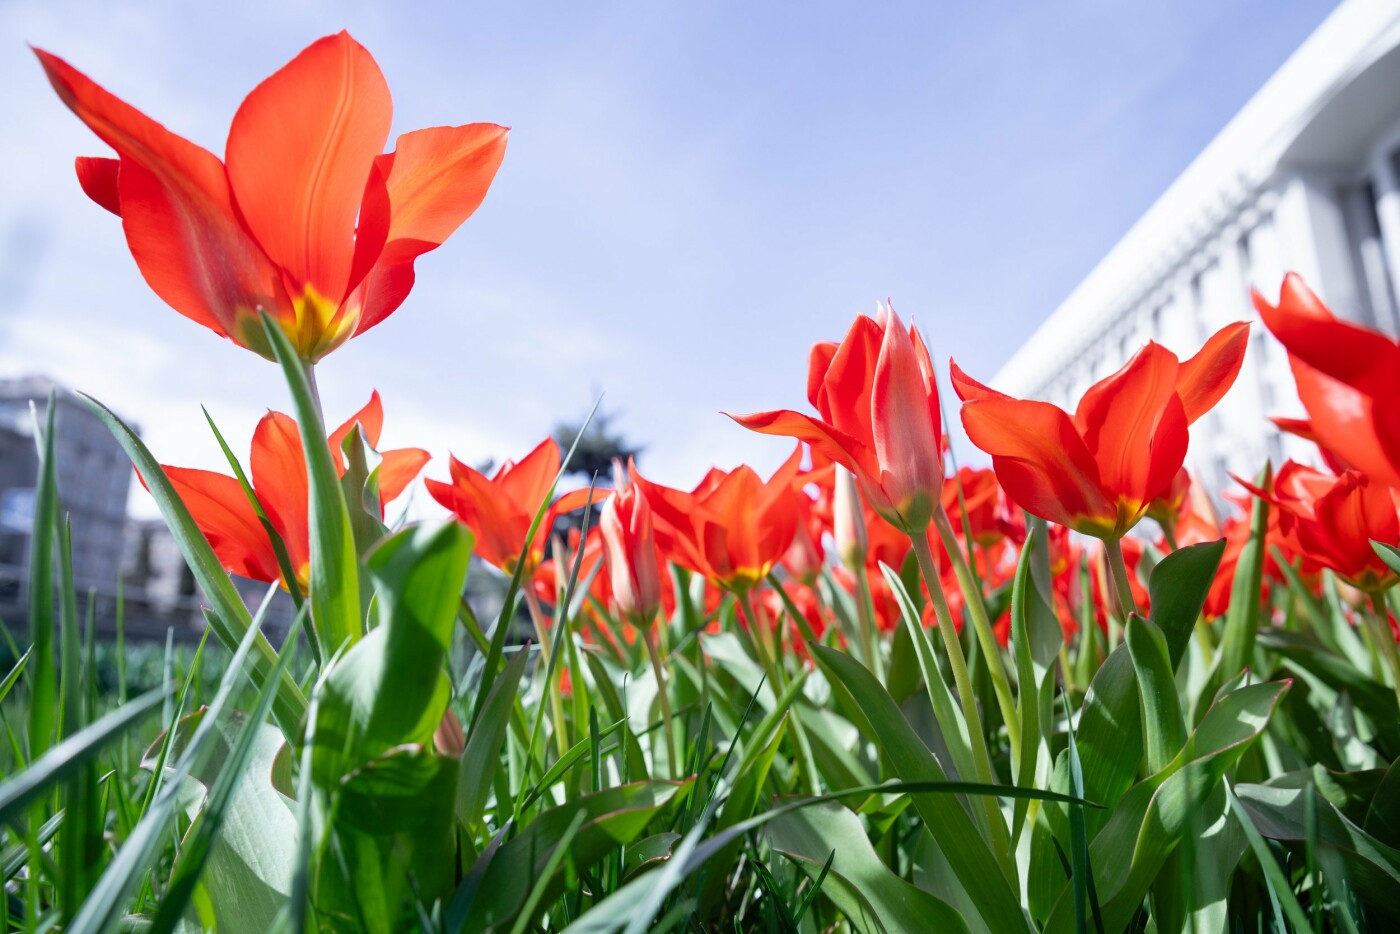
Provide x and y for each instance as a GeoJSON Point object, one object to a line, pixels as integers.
{"type": "Point", "coordinates": [1242, 620]}
{"type": "Point", "coordinates": [858, 883]}
{"type": "Point", "coordinates": [384, 800]}
{"type": "Point", "coordinates": [1383, 815]}
{"type": "Point", "coordinates": [334, 578]}
{"type": "Point", "coordinates": [880, 720]}
{"type": "Point", "coordinates": [43, 679]}
{"type": "Point", "coordinates": [618, 815]}
{"type": "Point", "coordinates": [1164, 730]}
{"type": "Point", "coordinates": [482, 755]}
{"type": "Point", "coordinates": [1389, 554]}
{"type": "Point", "coordinates": [64, 759]}
{"type": "Point", "coordinates": [1179, 586]}
{"type": "Point", "coordinates": [229, 615]}
{"type": "Point", "coordinates": [1036, 638]}
{"type": "Point", "coordinates": [1148, 822]}
{"type": "Point", "coordinates": [1370, 867]}
{"type": "Point", "coordinates": [272, 835]}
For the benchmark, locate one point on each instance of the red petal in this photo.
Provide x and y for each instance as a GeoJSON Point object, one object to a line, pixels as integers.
{"type": "Point", "coordinates": [844, 397]}
{"type": "Point", "coordinates": [222, 511]}
{"type": "Point", "coordinates": [1133, 425]}
{"type": "Point", "coordinates": [397, 470]}
{"type": "Point", "coordinates": [370, 418]}
{"type": "Point", "coordinates": [278, 468]}
{"type": "Point", "coordinates": [818, 362]}
{"type": "Point", "coordinates": [527, 483]}
{"type": "Point", "coordinates": [98, 178]}
{"type": "Point", "coordinates": [833, 443]}
{"type": "Point", "coordinates": [967, 388]}
{"type": "Point", "coordinates": [299, 154]}
{"type": "Point", "coordinates": [1362, 430]}
{"type": "Point", "coordinates": [1040, 459]}
{"type": "Point", "coordinates": [1202, 380]}
{"type": "Point", "coordinates": [903, 421]}
{"type": "Point", "coordinates": [1357, 356]}
{"type": "Point", "coordinates": [177, 213]}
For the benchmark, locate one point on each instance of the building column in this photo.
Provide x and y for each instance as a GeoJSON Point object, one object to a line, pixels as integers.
{"type": "Point", "coordinates": [1388, 217]}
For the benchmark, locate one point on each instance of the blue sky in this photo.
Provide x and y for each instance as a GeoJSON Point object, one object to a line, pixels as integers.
{"type": "Point", "coordinates": [693, 194]}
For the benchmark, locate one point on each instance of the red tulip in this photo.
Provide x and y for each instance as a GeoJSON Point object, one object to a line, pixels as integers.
{"type": "Point", "coordinates": [499, 509]}
{"type": "Point", "coordinates": [732, 528]}
{"type": "Point", "coordinates": [1333, 520]}
{"type": "Point", "coordinates": [878, 417]}
{"type": "Point", "coordinates": [277, 469]}
{"type": "Point", "coordinates": [1348, 379]}
{"type": "Point", "coordinates": [1098, 471]}
{"type": "Point", "coordinates": [304, 219]}
{"type": "Point", "coordinates": [629, 542]}
{"type": "Point", "coordinates": [989, 513]}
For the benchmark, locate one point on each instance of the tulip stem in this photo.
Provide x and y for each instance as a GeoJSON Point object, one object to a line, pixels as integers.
{"type": "Point", "coordinates": [1119, 569]}
{"type": "Point", "coordinates": [1379, 625]}
{"type": "Point", "coordinates": [865, 614]}
{"type": "Point", "coordinates": [659, 670]}
{"type": "Point", "coordinates": [982, 625]}
{"type": "Point", "coordinates": [956, 660]}
{"type": "Point", "coordinates": [556, 706]}
{"type": "Point", "coordinates": [315, 394]}
{"type": "Point", "coordinates": [982, 760]}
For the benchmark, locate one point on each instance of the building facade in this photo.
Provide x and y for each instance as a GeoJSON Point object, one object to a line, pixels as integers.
{"type": "Point", "coordinates": [94, 481]}
{"type": "Point", "coordinates": [1306, 178]}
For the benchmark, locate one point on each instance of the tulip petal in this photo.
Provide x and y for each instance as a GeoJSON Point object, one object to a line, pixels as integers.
{"type": "Point", "coordinates": [1364, 359]}
{"type": "Point", "coordinates": [1202, 380]}
{"type": "Point", "coordinates": [418, 195]}
{"type": "Point", "coordinates": [222, 511]}
{"type": "Point", "coordinates": [397, 469]}
{"type": "Point", "coordinates": [98, 178]}
{"type": "Point", "coordinates": [967, 388]}
{"type": "Point", "coordinates": [818, 362]}
{"type": "Point", "coordinates": [833, 443]}
{"type": "Point", "coordinates": [1134, 425]}
{"type": "Point", "coordinates": [278, 467]}
{"type": "Point", "coordinates": [903, 421]}
{"type": "Point", "coordinates": [299, 154]}
{"type": "Point", "coordinates": [527, 481]}
{"type": "Point", "coordinates": [844, 397]}
{"type": "Point", "coordinates": [1040, 459]}
{"type": "Point", "coordinates": [370, 418]}
{"type": "Point", "coordinates": [1362, 430]}
{"type": "Point", "coordinates": [176, 211]}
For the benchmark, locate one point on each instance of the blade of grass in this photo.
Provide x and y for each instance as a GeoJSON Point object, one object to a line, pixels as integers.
{"type": "Point", "coordinates": [43, 680]}
{"type": "Point", "coordinates": [199, 842]}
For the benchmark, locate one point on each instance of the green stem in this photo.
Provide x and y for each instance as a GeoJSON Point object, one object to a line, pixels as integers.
{"type": "Point", "coordinates": [1119, 568]}
{"type": "Point", "coordinates": [662, 695]}
{"type": "Point", "coordinates": [966, 699]}
{"type": "Point", "coordinates": [556, 706]}
{"type": "Point", "coordinates": [865, 615]}
{"type": "Point", "coordinates": [1373, 611]}
{"type": "Point", "coordinates": [982, 761]}
{"type": "Point", "coordinates": [982, 625]}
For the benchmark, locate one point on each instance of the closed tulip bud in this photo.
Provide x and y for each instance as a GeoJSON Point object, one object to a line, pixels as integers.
{"type": "Point", "coordinates": [629, 545]}
{"type": "Point", "coordinates": [852, 540]}
{"type": "Point", "coordinates": [449, 739]}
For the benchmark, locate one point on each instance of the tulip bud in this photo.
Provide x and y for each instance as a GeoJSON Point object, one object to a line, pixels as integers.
{"type": "Point", "coordinates": [449, 738]}
{"type": "Point", "coordinates": [630, 549]}
{"type": "Point", "coordinates": [852, 541]}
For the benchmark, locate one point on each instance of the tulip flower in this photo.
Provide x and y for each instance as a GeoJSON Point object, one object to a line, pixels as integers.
{"type": "Point", "coordinates": [878, 417]}
{"type": "Point", "coordinates": [277, 466]}
{"type": "Point", "coordinates": [305, 218]}
{"type": "Point", "coordinates": [732, 528]}
{"type": "Point", "coordinates": [500, 509]}
{"type": "Point", "coordinates": [1348, 379]}
{"type": "Point", "coordinates": [1333, 520]}
{"type": "Point", "coordinates": [1098, 471]}
{"type": "Point", "coordinates": [979, 495]}
{"type": "Point", "coordinates": [629, 544]}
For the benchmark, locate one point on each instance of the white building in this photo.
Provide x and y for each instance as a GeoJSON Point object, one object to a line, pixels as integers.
{"type": "Point", "coordinates": [1305, 178]}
